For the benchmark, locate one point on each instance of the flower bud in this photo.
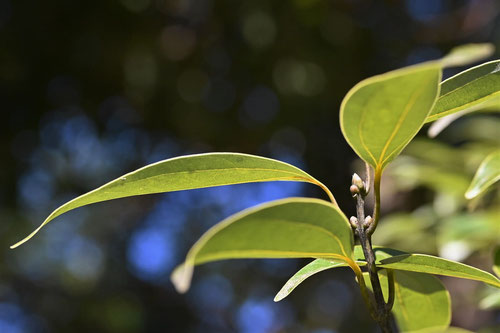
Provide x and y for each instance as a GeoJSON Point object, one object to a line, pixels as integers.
{"type": "Point", "coordinates": [354, 190]}
{"type": "Point", "coordinates": [368, 221]}
{"type": "Point", "coordinates": [356, 180]}
{"type": "Point", "coordinates": [353, 221]}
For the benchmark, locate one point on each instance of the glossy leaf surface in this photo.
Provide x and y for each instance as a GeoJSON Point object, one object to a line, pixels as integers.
{"type": "Point", "coordinates": [188, 172]}
{"type": "Point", "coordinates": [469, 90]}
{"type": "Point", "coordinates": [486, 175]}
{"type": "Point", "coordinates": [421, 303]}
{"type": "Point", "coordinates": [289, 228]}
{"type": "Point", "coordinates": [381, 114]}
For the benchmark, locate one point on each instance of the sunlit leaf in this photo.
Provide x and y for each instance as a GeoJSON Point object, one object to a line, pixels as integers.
{"type": "Point", "coordinates": [469, 90]}
{"type": "Point", "coordinates": [421, 303]}
{"type": "Point", "coordinates": [185, 173]}
{"type": "Point", "coordinates": [289, 228]}
{"type": "Point", "coordinates": [320, 265]}
{"type": "Point", "coordinates": [486, 175]}
{"type": "Point", "coordinates": [381, 114]}
{"type": "Point", "coordinates": [423, 263]}
{"type": "Point", "coordinates": [468, 53]}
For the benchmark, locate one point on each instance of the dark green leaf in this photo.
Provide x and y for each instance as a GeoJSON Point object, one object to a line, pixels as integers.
{"type": "Point", "coordinates": [289, 228]}
{"type": "Point", "coordinates": [469, 90]}
{"type": "Point", "coordinates": [185, 173]}
{"type": "Point", "coordinates": [381, 114]}
{"type": "Point", "coordinates": [421, 304]}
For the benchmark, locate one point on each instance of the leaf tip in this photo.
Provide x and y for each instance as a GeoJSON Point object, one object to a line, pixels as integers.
{"type": "Point", "coordinates": [181, 278]}
{"type": "Point", "coordinates": [279, 296]}
{"type": "Point", "coordinates": [471, 194]}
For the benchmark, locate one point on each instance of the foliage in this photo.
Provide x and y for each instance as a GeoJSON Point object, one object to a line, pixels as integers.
{"type": "Point", "coordinates": [379, 117]}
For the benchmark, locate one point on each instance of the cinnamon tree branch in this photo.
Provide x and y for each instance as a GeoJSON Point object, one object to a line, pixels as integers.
{"type": "Point", "coordinates": [363, 225]}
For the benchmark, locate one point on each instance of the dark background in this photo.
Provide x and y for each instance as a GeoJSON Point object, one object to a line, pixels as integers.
{"type": "Point", "coordinates": [90, 90]}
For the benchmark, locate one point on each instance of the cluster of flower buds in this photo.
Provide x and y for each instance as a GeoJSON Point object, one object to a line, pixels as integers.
{"type": "Point", "coordinates": [353, 221]}
{"type": "Point", "coordinates": [358, 186]}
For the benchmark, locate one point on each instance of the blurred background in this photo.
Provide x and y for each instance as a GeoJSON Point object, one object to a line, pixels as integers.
{"type": "Point", "coordinates": [90, 90]}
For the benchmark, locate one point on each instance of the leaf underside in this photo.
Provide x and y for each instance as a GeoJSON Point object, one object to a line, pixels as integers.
{"type": "Point", "coordinates": [380, 115]}
{"type": "Point", "coordinates": [288, 228]}
{"type": "Point", "coordinates": [188, 172]}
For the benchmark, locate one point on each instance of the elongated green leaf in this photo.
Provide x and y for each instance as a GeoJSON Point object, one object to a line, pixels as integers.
{"type": "Point", "coordinates": [468, 53]}
{"type": "Point", "coordinates": [320, 265]}
{"type": "Point", "coordinates": [289, 228]}
{"type": "Point", "coordinates": [421, 303]}
{"type": "Point", "coordinates": [185, 173]}
{"type": "Point", "coordinates": [469, 90]}
{"type": "Point", "coordinates": [381, 114]}
{"type": "Point", "coordinates": [486, 175]}
{"type": "Point", "coordinates": [307, 271]}
{"type": "Point", "coordinates": [423, 263]}
{"type": "Point", "coordinates": [496, 261]}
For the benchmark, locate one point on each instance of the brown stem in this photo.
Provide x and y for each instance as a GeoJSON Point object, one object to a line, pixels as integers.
{"type": "Point", "coordinates": [383, 310]}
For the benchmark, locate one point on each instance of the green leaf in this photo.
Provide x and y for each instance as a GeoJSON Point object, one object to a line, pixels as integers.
{"type": "Point", "coordinates": [310, 269]}
{"type": "Point", "coordinates": [469, 90]}
{"type": "Point", "coordinates": [185, 173]}
{"type": "Point", "coordinates": [421, 303]}
{"type": "Point", "coordinates": [496, 261]}
{"type": "Point", "coordinates": [468, 53]}
{"type": "Point", "coordinates": [381, 114]}
{"type": "Point", "coordinates": [491, 301]}
{"type": "Point", "coordinates": [288, 228]}
{"type": "Point", "coordinates": [423, 263]}
{"type": "Point", "coordinates": [486, 175]}
{"type": "Point", "coordinates": [320, 265]}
